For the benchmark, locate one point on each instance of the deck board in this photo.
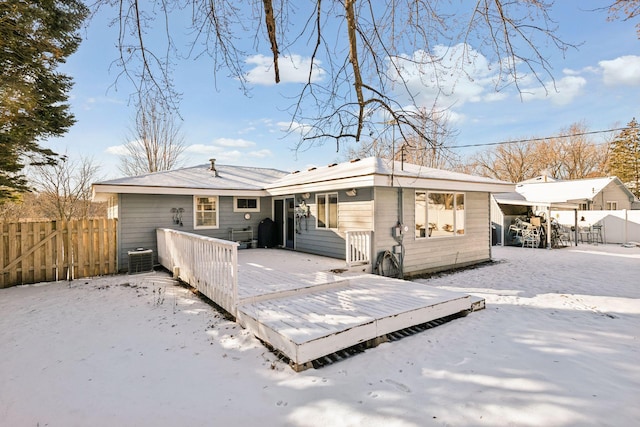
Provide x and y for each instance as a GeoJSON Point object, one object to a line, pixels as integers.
{"type": "Point", "coordinates": [304, 307]}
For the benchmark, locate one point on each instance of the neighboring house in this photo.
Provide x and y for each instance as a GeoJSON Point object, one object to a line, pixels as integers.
{"type": "Point", "coordinates": [544, 195]}
{"type": "Point", "coordinates": [590, 194]}
{"type": "Point", "coordinates": [437, 219]}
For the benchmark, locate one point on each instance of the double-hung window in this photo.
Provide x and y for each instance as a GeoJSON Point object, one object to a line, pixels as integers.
{"type": "Point", "coordinates": [205, 211]}
{"type": "Point", "coordinates": [439, 214]}
{"type": "Point", "coordinates": [327, 205]}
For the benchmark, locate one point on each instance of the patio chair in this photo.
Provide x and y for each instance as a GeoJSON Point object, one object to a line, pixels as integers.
{"type": "Point", "coordinates": [595, 234]}
{"type": "Point", "coordinates": [584, 232]}
{"type": "Point", "coordinates": [531, 237]}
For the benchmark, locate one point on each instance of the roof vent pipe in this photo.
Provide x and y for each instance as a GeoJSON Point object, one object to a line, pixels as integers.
{"type": "Point", "coordinates": [213, 167]}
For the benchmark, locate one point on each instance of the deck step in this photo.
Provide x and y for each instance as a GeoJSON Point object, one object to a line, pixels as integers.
{"type": "Point", "coordinates": [362, 347]}
{"type": "Point", "coordinates": [366, 311]}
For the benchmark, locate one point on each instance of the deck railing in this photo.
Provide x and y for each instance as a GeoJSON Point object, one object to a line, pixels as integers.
{"type": "Point", "coordinates": [358, 247]}
{"type": "Point", "coordinates": [210, 265]}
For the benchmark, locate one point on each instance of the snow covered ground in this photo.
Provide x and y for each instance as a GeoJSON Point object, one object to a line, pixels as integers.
{"type": "Point", "coordinates": [558, 345]}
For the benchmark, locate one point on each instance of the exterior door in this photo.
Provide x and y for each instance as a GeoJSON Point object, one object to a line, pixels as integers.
{"type": "Point", "coordinates": [290, 230]}
{"type": "Point", "coordinates": [284, 219]}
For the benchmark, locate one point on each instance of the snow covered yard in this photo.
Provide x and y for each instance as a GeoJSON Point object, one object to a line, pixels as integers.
{"type": "Point", "coordinates": [558, 345]}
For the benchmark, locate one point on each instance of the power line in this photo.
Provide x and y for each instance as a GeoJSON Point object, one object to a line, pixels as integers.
{"type": "Point", "coordinates": [540, 139]}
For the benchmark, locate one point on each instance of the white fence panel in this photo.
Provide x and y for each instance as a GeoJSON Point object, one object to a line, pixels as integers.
{"type": "Point", "coordinates": [620, 226]}
{"type": "Point", "coordinates": [210, 265]}
{"type": "Point", "coordinates": [358, 247]}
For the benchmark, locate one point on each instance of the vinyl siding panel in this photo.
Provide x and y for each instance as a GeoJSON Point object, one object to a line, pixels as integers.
{"type": "Point", "coordinates": [611, 193]}
{"type": "Point", "coordinates": [141, 214]}
{"type": "Point", "coordinates": [354, 213]}
{"type": "Point", "coordinates": [386, 217]}
{"type": "Point", "coordinates": [434, 254]}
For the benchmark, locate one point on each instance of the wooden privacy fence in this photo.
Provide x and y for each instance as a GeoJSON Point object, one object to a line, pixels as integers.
{"type": "Point", "coordinates": [32, 252]}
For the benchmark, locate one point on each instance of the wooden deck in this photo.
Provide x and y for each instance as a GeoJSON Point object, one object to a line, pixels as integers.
{"type": "Point", "coordinates": [307, 306]}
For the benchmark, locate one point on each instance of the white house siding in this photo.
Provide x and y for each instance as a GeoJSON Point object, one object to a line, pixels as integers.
{"type": "Point", "coordinates": [354, 213]}
{"type": "Point", "coordinates": [386, 217]}
{"type": "Point", "coordinates": [436, 254]}
{"type": "Point", "coordinates": [141, 214]}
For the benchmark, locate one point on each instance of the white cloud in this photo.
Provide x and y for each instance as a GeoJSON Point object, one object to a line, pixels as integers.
{"type": "Point", "coordinates": [202, 149]}
{"type": "Point", "coordinates": [233, 142]}
{"type": "Point", "coordinates": [295, 127]}
{"type": "Point", "coordinates": [261, 153]}
{"type": "Point", "coordinates": [624, 70]}
{"type": "Point", "coordinates": [293, 69]}
{"type": "Point", "coordinates": [246, 130]}
{"type": "Point", "coordinates": [589, 69]}
{"type": "Point", "coordinates": [201, 153]}
{"type": "Point", "coordinates": [565, 91]}
{"type": "Point", "coordinates": [449, 76]}
{"type": "Point", "coordinates": [118, 150]}
{"type": "Point", "coordinates": [495, 96]}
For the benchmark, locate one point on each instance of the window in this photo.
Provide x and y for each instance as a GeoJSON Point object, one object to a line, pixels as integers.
{"type": "Point", "coordinates": [612, 206]}
{"type": "Point", "coordinates": [205, 212]}
{"type": "Point", "coordinates": [439, 214]}
{"type": "Point", "coordinates": [327, 205]}
{"type": "Point", "coordinates": [246, 204]}
{"type": "Point", "coordinates": [583, 206]}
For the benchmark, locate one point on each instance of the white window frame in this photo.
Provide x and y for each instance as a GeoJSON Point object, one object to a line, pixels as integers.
{"type": "Point", "coordinates": [326, 211]}
{"type": "Point", "coordinates": [611, 205]}
{"type": "Point", "coordinates": [426, 219]}
{"type": "Point", "coordinates": [195, 213]}
{"type": "Point", "coordinates": [237, 209]}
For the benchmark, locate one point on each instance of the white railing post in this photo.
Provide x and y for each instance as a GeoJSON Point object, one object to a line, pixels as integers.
{"type": "Point", "coordinates": [358, 247]}
{"type": "Point", "coordinates": [210, 265]}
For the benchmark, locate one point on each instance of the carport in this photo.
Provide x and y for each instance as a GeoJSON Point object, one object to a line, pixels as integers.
{"type": "Point", "coordinates": [506, 207]}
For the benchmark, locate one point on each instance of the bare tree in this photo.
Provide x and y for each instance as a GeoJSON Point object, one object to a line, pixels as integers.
{"type": "Point", "coordinates": [629, 9]}
{"type": "Point", "coordinates": [436, 150]}
{"type": "Point", "coordinates": [63, 190]}
{"type": "Point", "coordinates": [375, 58]}
{"type": "Point", "coordinates": [156, 141]}
{"type": "Point", "coordinates": [569, 155]}
{"type": "Point", "coordinates": [572, 155]}
{"type": "Point", "coordinates": [513, 162]}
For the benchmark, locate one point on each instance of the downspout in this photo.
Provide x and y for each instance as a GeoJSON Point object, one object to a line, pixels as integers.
{"type": "Point", "coordinates": [400, 238]}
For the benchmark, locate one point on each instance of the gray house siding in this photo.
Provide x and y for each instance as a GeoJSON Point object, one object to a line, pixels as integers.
{"type": "Point", "coordinates": [610, 193]}
{"type": "Point", "coordinates": [354, 213]}
{"type": "Point", "coordinates": [433, 254]}
{"type": "Point", "coordinates": [141, 214]}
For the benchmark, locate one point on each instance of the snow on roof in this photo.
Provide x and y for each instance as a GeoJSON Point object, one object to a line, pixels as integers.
{"type": "Point", "coordinates": [563, 191]}
{"type": "Point", "coordinates": [233, 178]}
{"type": "Point", "coordinates": [376, 166]}
{"type": "Point", "coordinates": [202, 177]}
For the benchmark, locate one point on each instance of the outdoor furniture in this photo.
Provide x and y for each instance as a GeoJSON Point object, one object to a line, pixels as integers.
{"type": "Point", "coordinates": [595, 234]}
{"type": "Point", "coordinates": [515, 229]}
{"type": "Point", "coordinates": [584, 233]}
{"type": "Point", "coordinates": [560, 235]}
{"type": "Point", "coordinates": [531, 236]}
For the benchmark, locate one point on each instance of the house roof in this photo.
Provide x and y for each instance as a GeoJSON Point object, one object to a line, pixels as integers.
{"type": "Point", "coordinates": [374, 171]}
{"type": "Point", "coordinates": [577, 190]}
{"type": "Point", "coordinates": [242, 180]}
{"type": "Point", "coordinates": [515, 198]}
{"type": "Point", "coordinates": [234, 180]}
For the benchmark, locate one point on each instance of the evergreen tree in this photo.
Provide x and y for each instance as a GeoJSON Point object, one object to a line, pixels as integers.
{"type": "Point", "coordinates": [624, 159]}
{"type": "Point", "coordinates": [36, 36]}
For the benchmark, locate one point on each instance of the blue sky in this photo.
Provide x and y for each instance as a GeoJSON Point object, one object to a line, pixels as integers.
{"type": "Point", "coordinates": [598, 84]}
